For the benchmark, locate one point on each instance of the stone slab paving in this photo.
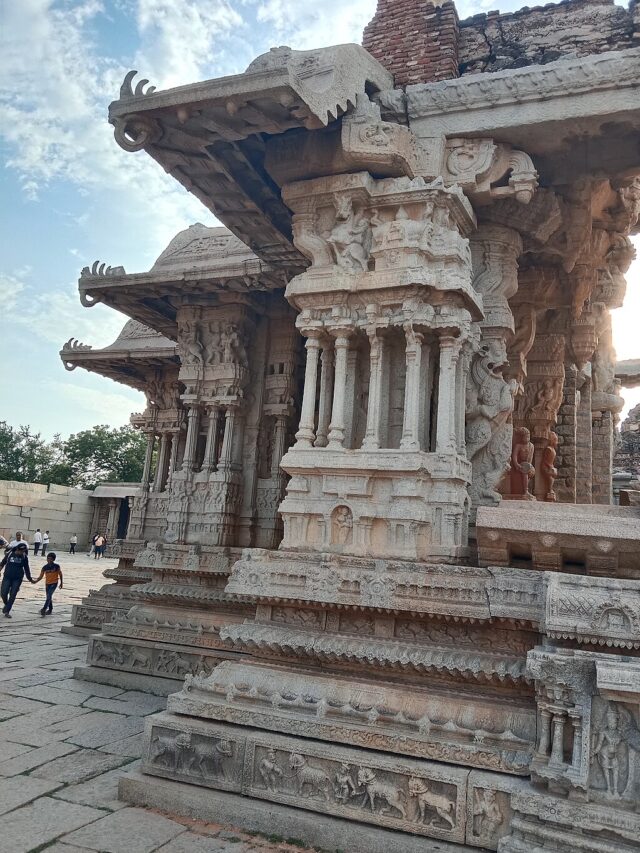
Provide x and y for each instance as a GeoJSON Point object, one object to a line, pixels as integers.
{"type": "Point", "coordinates": [65, 743]}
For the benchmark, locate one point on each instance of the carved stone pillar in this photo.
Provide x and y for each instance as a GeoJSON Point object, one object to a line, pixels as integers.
{"type": "Point", "coordinates": [583, 441]}
{"type": "Point", "coordinates": [226, 453]}
{"type": "Point", "coordinates": [374, 406]}
{"type": "Point", "coordinates": [112, 519]}
{"type": "Point", "coordinates": [214, 414]}
{"type": "Point", "coordinates": [326, 393]}
{"type": "Point", "coordinates": [306, 432]}
{"type": "Point", "coordinates": [558, 736]}
{"type": "Point", "coordinates": [173, 456]}
{"type": "Point", "coordinates": [148, 458]}
{"type": "Point", "coordinates": [445, 427]}
{"type": "Point", "coordinates": [337, 425]}
{"type": "Point", "coordinates": [191, 446]}
{"type": "Point", "coordinates": [411, 421]}
{"type": "Point", "coordinates": [566, 462]}
{"type": "Point", "coordinates": [162, 463]}
{"type": "Point", "coordinates": [279, 441]}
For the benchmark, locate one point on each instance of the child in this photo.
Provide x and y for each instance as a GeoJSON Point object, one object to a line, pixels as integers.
{"type": "Point", "coordinates": [16, 566]}
{"type": "Point", "coordinates": [52, 573]}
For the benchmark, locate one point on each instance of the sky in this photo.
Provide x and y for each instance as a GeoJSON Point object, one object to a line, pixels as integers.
{"type": "Point", "coordinates": [69, 195]}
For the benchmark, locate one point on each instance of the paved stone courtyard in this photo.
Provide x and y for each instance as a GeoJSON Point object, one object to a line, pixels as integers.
{"type": "Point", "coordinates": [64, 743]}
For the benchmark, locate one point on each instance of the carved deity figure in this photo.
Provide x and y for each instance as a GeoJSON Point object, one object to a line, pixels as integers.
{"type": "Point", "coordinates": [487, 815]}
{"type": "Point", "coordinates": [522, 470]}
{"type": "Point", "coordinates": [548, 472]}
{"type": "Point", "coordinates": [342, 526]}
{"type": "Point", "coordinates": [546, 402]}
{"type": "Point", "coordinates": [610, 746]}
{"type": "Point", "coordinates": [213, 349]}
{"type": "Point", "coordinates": [350, 236]}
{"type": "Point", "coordinates": [489, 403]}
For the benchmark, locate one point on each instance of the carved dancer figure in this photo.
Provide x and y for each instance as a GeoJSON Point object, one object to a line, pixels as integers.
{"type": "Point", "coordinates": [487, 816]}
{"type": "Point", "coordinates": [522, 470]}
{"type": "Point", "coordinates": [345, 787]}
{"type": "Point", "coordinates": [605, 748]}
{"type": "Point", "coordinates": [430, 801]}
{"type": "Point", "coordinates": [233, 348]}
{"type": "Point", "coordinates": [546, 403]}
{"type": "Point", "coordinates": [548, 472]}
{"type": "Point", "coordinates": [190, 344]}
{"type": "Point", "coordinates": [343, 526]}
{"type": "Point", "coordinates": [270, 771]}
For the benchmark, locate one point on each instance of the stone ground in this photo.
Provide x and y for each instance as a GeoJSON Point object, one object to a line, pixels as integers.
{"type": "Point", "coordinates": [64, 743]}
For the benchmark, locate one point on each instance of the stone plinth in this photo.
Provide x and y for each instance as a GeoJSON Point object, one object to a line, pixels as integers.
{"type": "Point", "coordinates": [561, 537]}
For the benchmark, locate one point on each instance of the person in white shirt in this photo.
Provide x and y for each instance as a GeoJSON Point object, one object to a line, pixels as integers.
{"type": "Point", "coordinates": [37, 542]}
{"type": "Point", "coordinates": [72, 544]}
{"type": "Point", "coordinates": [45, 542]}
{"type": "Point", "coordinates": [18, 539]}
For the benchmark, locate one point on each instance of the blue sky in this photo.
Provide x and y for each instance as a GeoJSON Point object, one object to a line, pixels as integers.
{"type": "Point", "coordinates": [69, 195]}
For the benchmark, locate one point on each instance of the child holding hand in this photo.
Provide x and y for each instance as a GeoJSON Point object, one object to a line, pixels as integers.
{"type": "Point", "coordinates": [52, 574]}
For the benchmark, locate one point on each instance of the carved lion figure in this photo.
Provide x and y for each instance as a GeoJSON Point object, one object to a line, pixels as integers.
{"type": "Point", "coordinates": [430, 801]}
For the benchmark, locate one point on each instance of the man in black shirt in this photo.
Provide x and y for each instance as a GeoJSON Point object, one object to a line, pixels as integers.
{"type": "Point", "coordinates": [16, 566]}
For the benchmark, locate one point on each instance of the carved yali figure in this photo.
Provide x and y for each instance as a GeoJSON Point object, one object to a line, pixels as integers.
{"type": "Point", "coordinates": [428, 802]}
{"type": "Point", "coordinates": [489, 403]}
{"type": "Point", "coordinates": [610, 745]}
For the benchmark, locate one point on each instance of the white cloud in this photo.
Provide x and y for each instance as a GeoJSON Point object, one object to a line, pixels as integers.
{"type": "Point", "coordinates": [310, 25]}
{"type": "Point", "coordinates": [11, 286]}
{"type": "Point", "coordinates": [110, 407]}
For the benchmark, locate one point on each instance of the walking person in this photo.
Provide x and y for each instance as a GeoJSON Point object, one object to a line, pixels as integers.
{"type": "Point", "coordinates": [97, 546]}
{"type": "Point", "coordinates": [52, 574]}
{"type": "Point", "coordinates": [37, 542]}
{"type": "Point", "coordinates": [16, 566]}
{"type": "Point", "coordinates": [45, 542]}
{"type": "Point", "coordinates": [92, 549]}
{"type": "Point", "coordinates": [72, 543]}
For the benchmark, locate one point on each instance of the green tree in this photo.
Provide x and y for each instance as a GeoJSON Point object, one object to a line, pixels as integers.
{"type": "Point", "coordinates": [105, 453]}
{"type": "Point", "coordinates": [23, 456]}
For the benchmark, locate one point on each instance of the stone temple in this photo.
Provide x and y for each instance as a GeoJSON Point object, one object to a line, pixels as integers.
{"type": "Point", "coordinates": [374, 558]}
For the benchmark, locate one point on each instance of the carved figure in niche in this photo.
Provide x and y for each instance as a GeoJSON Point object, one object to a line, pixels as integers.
{"type": "Point", "coordinates": [191, 350]}
{"type": "Point", "coordinates": [213, 347]}
{"type": "Point", "coordinates": [547, 400]}
{"type": "Point", "coordinates": [429, 801]}
{"type": "Point", "coordinates": [342, 526]}
{"type": "Point", "coordinates": [487, 815]}
{"type": "Point", "coordinates": [522, 470]}
{"type": "Point", "coordinates": [548, 472]}
{"type": "Point", "coordinates": [395, 798]}
{"type": "Point", "coordinates": [270, 771]}
{"type": "Point", "coordinates": [234, 351]}
{"type": "Point", "coordinates": [610, 748]}
{"type": "Point", "coordinates": [350, 236]}
{"type": "Point", "coordinates": [313, 778]}
{"type": "Point", "coordinates": [345, 787]}
{"type": "Point", "coordinates": [489, 403]}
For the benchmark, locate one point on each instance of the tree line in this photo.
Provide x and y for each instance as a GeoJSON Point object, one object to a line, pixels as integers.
{"type": "Point", "coordinates": [113, 454]}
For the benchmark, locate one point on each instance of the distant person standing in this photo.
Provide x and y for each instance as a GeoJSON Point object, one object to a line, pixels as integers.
{"type": "Point", "coordinates": [16, 566]}
{"type": "Point", "coordinates": [98, 545]}
{"type": "Point", "coordinates": [45, 542]}
{"type": "Point", "coordinates": [72, 543]}
{"type": "Point", "coordinates": [37, 542]}
{"type": "Point", "coordinates": [52, 574]}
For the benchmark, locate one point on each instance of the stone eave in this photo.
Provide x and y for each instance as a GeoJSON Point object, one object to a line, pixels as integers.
{"type": "Point", "coordinates": [628, 372]}
{"type": "Point", "coordinates": [538, 108]}
{"type": "Point", "coordinates": [150, 297]}
{"type": "Point", "coordinates": [210, 136]}
{"type": "Point", "coordinates": [129, 367]}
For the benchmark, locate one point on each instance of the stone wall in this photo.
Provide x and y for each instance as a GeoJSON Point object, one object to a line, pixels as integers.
{"type": "Point", "coordinates": [495, 41]}
{"type": "Point", "coordinates": [60, 509]}
{"type": "Point", "coordinates": [422, 42]}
